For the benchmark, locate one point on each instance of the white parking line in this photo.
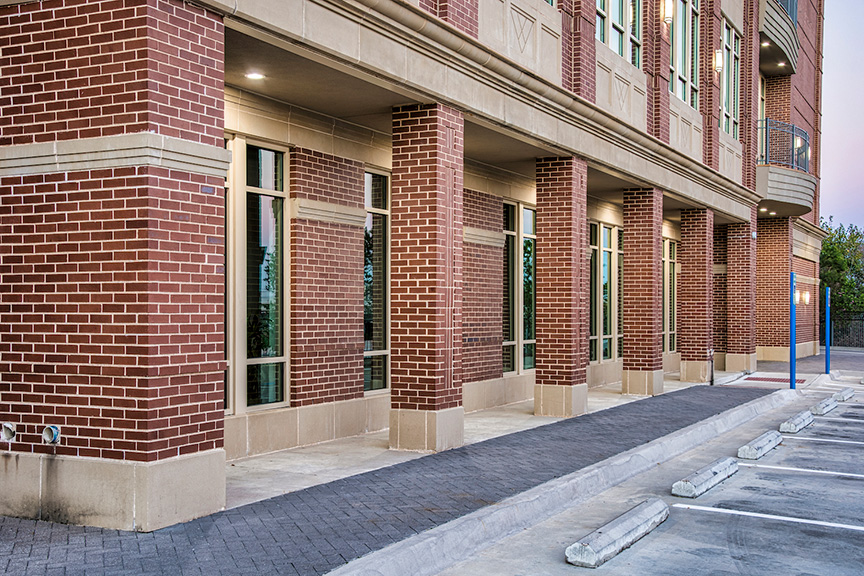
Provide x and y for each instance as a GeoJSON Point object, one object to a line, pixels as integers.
{"type": "Point", "coordinates": [770, 517]}
{"type": "Point", "coordinates": [807, 470]}
{"type": "Point", "coordinates": [823, 440]}
{"type": "Point", "coordinates": [832, 419]}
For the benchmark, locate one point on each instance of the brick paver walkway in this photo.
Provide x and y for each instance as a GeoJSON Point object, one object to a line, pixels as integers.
{"type": "Point", "coordinates": [320, 528]}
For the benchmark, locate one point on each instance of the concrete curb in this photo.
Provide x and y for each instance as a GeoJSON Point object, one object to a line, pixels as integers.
{"type": "Point", "coordinates": [760, 446]}
{"type": "Point", "coordinates": [823, 407]}
{"type": "Point", "coordinates": [605, 543]}
{"type": "Point", "coordinates": [435, 550]}
{"type": "Point", "coordinates": [703, 480]}
{"type": "Point", "coordinates": [844, 395]}
{"type": "Point", "coordinates": [797, 423]}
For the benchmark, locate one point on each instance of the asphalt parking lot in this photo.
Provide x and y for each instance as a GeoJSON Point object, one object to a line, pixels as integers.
{"type": "Point", "coordinates": [797, 510]}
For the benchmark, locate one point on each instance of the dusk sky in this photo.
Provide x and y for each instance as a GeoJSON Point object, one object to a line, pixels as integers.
{"type": "Point", "coordinates": [842, 186]}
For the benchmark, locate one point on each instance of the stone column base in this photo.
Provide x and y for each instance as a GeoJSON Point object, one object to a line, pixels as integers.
{"type": "Point", "coordinates": [560, 401]}
{"type": "Point", "coordinates": [427, 430]}
{"type": "Point", "coordinates": [695, 371]}
{"type": "Point", "coordinates": [642, 382]}
{"type": "Point", "coordinates": [744, 362]}
{"type": "Point", "coordinates": [113, 494]}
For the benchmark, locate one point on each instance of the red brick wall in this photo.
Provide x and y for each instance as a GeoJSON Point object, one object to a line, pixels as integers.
{"type": "Point", "coordinates": [112, 289]}
{"type": "Point", "coordinates": [80, 69]}
{"type": "Point", "coordinates": [579, 60]}
{"type": "Point", "coordinates": [774, 247]}
{"type": "Point", "coordinates": [483, 292]}
{"type": "Point", "coordinates": [326, 283]}
{"type": "Point", "coordinates": [719, 297]}
{"type": "Point", "coordinates": [426, 258]}
{"type": "Point", "coordinates": [749, 124]}
{"type": "Point", "coordinates": [463, 14]}
{"type": "Point", "coordinates": [656, 52]}
{"type": "Point", "coordinates": [696, 284]}
{"type": "Point", "coordinates": [807, 315]}
{"type": "Point", "coordinates": [711, 38]}
{"type": "Point", "coordinates": [562, 271]}
{"type": "Point", "coordinates": [643, 280]}
{"type": "Point", "coordinates": [112, 311]}
{"type": "Point", "coordinates": [741, 287]}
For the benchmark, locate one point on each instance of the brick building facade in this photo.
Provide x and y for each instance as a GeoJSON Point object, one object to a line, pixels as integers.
{"type": "Point", "coordinates": [228, 229]}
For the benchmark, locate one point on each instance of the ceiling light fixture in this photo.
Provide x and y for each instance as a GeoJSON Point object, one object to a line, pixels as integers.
{"type": "Point", "coordinates": [772, 213]}
{"type": "Point", "coordinates": [255, 76]}
{"type": "Point", "coordinates": [763, 209]}
{"type": "Point", "coordinates": [766, 43]}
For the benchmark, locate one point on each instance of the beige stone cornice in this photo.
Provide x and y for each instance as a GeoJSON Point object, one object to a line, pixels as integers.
{"type": "Point", "coordinates": [484, 237]}
{"type": "Point", "coordinates": [306, 209]}
{"type": "Point", "coordinates": [120, 151]}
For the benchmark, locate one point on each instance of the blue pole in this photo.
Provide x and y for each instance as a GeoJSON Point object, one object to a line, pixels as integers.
{"type": "Point", "coordinates": [827, 330]}
{"type": "Point", "coordinates": [792, 331]}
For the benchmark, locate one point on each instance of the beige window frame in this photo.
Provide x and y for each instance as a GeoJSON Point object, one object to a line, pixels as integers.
{"type": "Point", "coordinates": [606, 330]}
{"type": "Point", "coordinates": [670, 295]}
{"type": "Point", "coordinates": [236, 313]}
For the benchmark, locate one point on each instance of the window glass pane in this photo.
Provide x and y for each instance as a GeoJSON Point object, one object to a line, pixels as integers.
{"type": "Point", "coordinates": [635, 18]}
{"type": "Point", "coordinates": [607, 348]}
{"type": "Point", "coordinates": [263, 276]}
{"type": "Point", "coordinates": [528, 360]}
{"type": "Point", "coordinates": [592, 315]}
{"type": "Point", "coordinates": [509, 353]}
{"type": "Point", "coordinates": [620, 299]}
{"type": "Point", "coordinates": [593, 234]}
{"type": "Point", "coordinates": [375, 283]}
{"type": "Point", "coordinates": [376, 191]}
{"type": "Point", "coordinates": [672, 296]}
{"type": "Point", "coordinates": [592, 350]}
{"type": "Point", "coordinates": [509, 218]}
{"type": "Point", "coordinates": [529, 223]}
{"type": "Point", "coordinates": [606, 290]}
{"type": "Point", "coordinates": [509, 319]}
{"type": "Point", "coordinates": [617, 41]}
{"type": "Point", "coordinates": [528, 278]}
{"type": "Point", "coordinates": [374, 373]}
{"type": "Point", "coordinates": [607, 237]}
{"type": "Point", "coordinates": [617, 12]}
{"type": "Point", "coordinates": [263, 168]}
{"type": "Point", "coordinates": [264, 383]}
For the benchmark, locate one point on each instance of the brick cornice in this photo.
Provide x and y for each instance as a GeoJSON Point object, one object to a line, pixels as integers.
{"type": "Point", "coordinates": [120, 151]}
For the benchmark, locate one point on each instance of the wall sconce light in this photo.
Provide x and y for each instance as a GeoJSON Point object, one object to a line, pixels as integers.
{"type": "Point", "coordinates": [668, 9]}
{"type": "Point", "coordinates": [718, 60]}
{"type": "Point", "coordinates": [797, 297]}
{"type": "Point", "coordinates": [807, 298]}
{"type": "Point", "coordinates": [51, 434]}
{"type": "Point", "coordinates": [7, 432]}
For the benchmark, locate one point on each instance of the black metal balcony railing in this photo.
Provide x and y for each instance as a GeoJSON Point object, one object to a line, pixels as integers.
{"type": "Point", "coordinates": [783, 144]}
{"type": "Point", "coordinates": [791, 8]}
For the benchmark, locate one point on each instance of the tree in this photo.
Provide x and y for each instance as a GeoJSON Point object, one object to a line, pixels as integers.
{"type": "Point", "coordinates": [841, 266]}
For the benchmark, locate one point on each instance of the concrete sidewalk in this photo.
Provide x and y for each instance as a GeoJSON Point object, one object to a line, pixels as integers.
{"type": "Point", "coordinates": [320, 528]}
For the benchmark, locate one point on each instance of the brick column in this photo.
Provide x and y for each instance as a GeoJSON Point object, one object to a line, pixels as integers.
{"type": "Point", "coordinates": [643, 285]}
{"type": "Point", "coordinates": [426, 293]}
{"type": "Point", "coordinates": [656, 54]}
{"type": "Point", "coordinates": [561, 387]}
{"type": "Point", "coordinates": [695, 293]}
{"type": "Point", "coordinates": [741, 296]}
{"type": "Point", "coordinates": [749, 125]}
{"type": "Point", "coordinates": [463, 14]}
{"type": "Point", "coordinates": [711, 39]}
{"type": "Point", "coordinates": [579, 65]}
{"type": "Point", "coordinates": [112, 268]}
{"type": "Point", "coordinates": [774, 264]}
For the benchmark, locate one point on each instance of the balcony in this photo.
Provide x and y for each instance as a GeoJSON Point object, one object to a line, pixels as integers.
{"type": "Point", "coordinates": [778, 37]}
{"type": "Point", "coordinates": [782, 171]}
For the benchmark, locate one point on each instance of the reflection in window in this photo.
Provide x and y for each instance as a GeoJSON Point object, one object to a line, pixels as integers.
{"type": "Point", "coordinates": [605, 318]}
{"type": "Point", "coordinates": [684, 35]}
{"type": "Point", "coordinates": [263, 276]}
{"type": "Point", "coordinates": [529, 287]}
{"type": "Point", "coordinates": [520, 285]}
{"type": "Point", "coordinates": [509, 311]}
{"type": "Point", "coordinates": [375, 248]}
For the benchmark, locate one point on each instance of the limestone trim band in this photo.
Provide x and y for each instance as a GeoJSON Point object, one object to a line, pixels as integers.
{"type": "Point", "coordinates": [120, 151]}
{"type": "Point", "coordinates": [306, 209]}
{"type": "Point", "coordinates": [484, 237]}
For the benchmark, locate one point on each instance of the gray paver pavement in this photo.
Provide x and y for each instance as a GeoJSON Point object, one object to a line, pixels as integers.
{"type": "Point", "coordinates": [315, 530]}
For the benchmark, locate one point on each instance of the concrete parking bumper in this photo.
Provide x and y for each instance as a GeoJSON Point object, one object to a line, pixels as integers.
{"type": "Point", "coordinates": [760, 446]}
{"type": "Point", "coordinates": [703, 480]}
{"type": "Point", "coordinates": [797, 423]}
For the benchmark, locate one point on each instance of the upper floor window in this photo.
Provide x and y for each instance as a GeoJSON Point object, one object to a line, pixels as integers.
{"type": "Point", "coordinates": [729, 80]}
{"type": "Point", "coordinates": [684, 34]}
{"type": "Point", "coordinates": [619, 25]}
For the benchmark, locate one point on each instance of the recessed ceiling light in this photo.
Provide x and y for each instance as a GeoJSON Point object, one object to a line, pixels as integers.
{"type": "Point", "coordinates": [763, 209]}
{"type": "Point", "coordinates": [772, 213]}
{"type": "Point", "coordinates": [255, 76]}
{"type": "Point", "coordinates": [781, 64]}
{"type": "Point", "coordinates": [766, 43]}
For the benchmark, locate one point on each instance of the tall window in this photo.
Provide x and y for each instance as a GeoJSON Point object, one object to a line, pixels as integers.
{"type": "Point", "coordinates": [520, 286]}
{"type": "Point", "coordinates": [619, 25]}
{"type": "Point", "coordinates": [670, 295]}
{"type": "Point", "coordinates": [606, 338]}
{"type": "Point", "coordinates": [729, 82]}
{"type": "Point", "coordinates": [376, 346]}
{"type": "Point", "coordinates": [265, 294]}
{"type": "Point", "coordinates": [684, 34]}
